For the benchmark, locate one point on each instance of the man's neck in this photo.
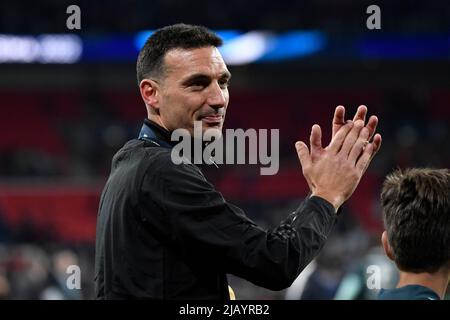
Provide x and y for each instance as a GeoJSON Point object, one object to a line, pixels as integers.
{"type": "Point", "coordinates": [437, 282]}
{"type": "Point", "coordinates": [157, 120]}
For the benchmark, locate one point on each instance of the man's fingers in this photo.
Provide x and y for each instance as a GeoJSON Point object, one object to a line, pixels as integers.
{"type": "Point", "coordinates": [376, 144]}
{"type": "Point", "coordinates": [338, 119]}
{"type": "Point", "coordinates": [351, 138]}
{"type": "Point", "coordinates": [359, 145]}
{"type": "Point", "coordinates": [338, 139]}
{"type": "Point", "coordinates": [365, 158]}
{"type": "Point", "coordinates": [372, 126]}
{"type": "Point", "coordinates": [303, 154]}
{"type": "Point", "coordinates": [316, 140]}
{"type": "Point", "coordinates": [360, 113]}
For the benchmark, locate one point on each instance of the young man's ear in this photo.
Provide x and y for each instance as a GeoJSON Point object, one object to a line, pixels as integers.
{"type": "Point", "coordinates": [387, 248]}
{"type": "Point", "coordinates": [150, 94]}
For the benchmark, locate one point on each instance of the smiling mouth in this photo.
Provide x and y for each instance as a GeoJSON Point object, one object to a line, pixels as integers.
{"type": "Point", "coordinates": [212, 120]}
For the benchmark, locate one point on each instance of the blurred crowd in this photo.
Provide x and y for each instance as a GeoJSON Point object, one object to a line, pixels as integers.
{"type": "Point", "coordinates": [83, 130]}
{"type": "Point", "coordinates": [29, 271]}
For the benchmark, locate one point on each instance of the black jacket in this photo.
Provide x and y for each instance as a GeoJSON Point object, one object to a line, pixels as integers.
{"type": "Point", "coordinates": [164, 232]}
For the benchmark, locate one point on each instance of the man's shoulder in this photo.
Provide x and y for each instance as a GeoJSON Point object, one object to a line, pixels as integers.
{"type": "Point", "coordinates": [409, 292]}
{"type": "Point", "coordinates": [139, 155]}
{"type": "Point", "coordinates": [160, 160]}
{"type": "Point", "coordinates": [142, 150]}
{"type": "Point", "coordinates": [154, 162]}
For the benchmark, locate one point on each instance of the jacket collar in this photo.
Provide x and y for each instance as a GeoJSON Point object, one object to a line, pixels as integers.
{"type": "Point", "coordinates": [152, 131]}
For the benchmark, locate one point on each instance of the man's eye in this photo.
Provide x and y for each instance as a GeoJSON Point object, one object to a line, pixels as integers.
{"type": "Point", "coordinates": [197, 85]}
{"type": "Point", "coordinates": [224, 83]}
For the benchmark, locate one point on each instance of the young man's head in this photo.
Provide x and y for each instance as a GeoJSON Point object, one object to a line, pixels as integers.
{"type": "Point", "coordinates": [183, 78]}
{"type": "Point", "coordinates": [416, 214]}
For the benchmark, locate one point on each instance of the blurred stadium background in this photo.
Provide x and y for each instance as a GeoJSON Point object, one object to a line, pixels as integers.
{"type": "Point", "coordinates": [69, 100]}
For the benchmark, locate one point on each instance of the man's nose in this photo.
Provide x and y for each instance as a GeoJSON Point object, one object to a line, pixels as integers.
{"type": "Point", "coordinates": [217, 97]}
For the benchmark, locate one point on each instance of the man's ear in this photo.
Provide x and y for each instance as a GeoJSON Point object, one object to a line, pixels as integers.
{"type": "Point", "coordinates": [150, 94]}
{"type": "Point", "coordinates": [387, 248]}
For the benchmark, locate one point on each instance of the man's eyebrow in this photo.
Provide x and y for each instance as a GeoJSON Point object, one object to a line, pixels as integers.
{"type": "Point", "coordinates": [196, 77]}
{"type": "Point", "coordinates": [204, 77]}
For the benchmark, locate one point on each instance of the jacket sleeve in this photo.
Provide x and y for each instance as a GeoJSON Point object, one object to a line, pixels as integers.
{"type": "Point", "coordinates": [205, 228]}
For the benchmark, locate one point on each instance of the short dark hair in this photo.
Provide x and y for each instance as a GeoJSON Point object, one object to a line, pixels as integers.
{"type": "Point", "coordinates": [151, 57]}
{"type": "Point", "coordinates": [416, 214]}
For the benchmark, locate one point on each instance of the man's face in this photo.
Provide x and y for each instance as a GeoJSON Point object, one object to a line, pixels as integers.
{"type": "Point", "coordinates": [194, 88]}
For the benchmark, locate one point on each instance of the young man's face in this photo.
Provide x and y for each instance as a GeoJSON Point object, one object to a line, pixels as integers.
{"type": "Point", "coordinates": [194, 88]}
